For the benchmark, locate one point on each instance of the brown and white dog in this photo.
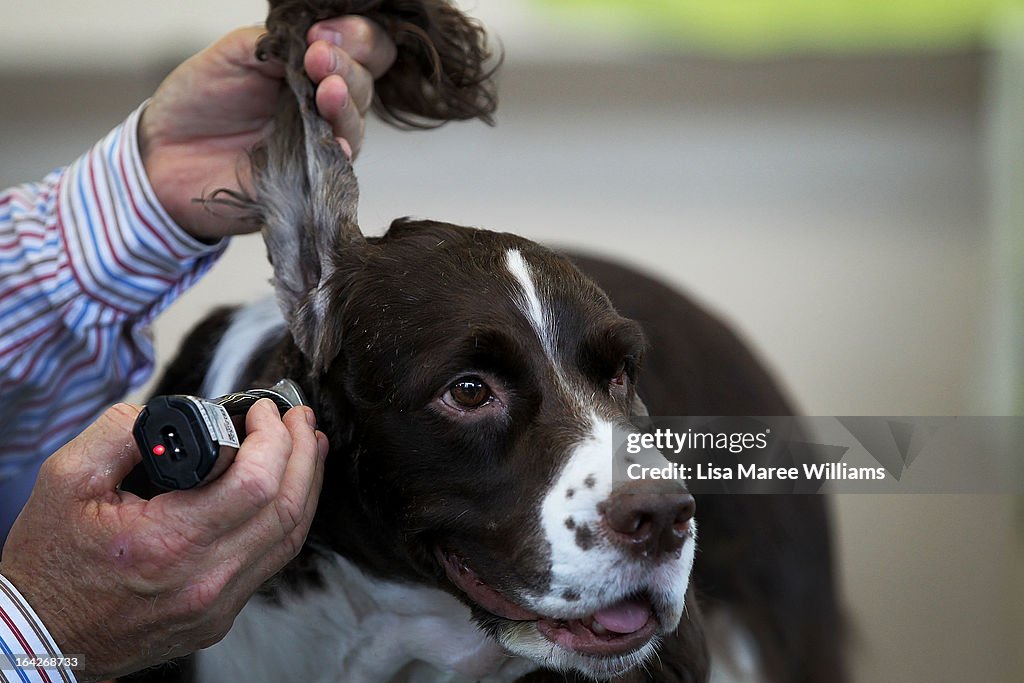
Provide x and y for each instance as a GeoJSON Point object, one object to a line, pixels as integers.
{"type": "Point", "coordinates": [469, 526]}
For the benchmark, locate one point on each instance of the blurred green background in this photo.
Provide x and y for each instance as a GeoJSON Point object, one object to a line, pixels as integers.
{"type": "Point", "coordinates": [744, 27]}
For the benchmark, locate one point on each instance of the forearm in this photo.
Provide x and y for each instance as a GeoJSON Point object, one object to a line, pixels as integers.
{"type": "Point", "coordinates": [87, 259]}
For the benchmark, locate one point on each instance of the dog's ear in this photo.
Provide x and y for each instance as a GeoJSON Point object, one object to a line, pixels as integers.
{"type": "Point", "coordinates": [309, 199]}
{"type": "Point", "coordinates": [305, 193]}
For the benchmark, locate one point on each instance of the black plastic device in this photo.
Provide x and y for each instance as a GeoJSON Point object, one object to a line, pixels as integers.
{"type": "Point", "coordinates": [186, 441]}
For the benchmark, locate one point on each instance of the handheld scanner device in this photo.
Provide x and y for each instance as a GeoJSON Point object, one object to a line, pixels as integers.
{"type": "Point", "coordinates": [186, 441]}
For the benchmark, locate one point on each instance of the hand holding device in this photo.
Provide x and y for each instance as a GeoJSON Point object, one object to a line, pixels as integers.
{"type": "Point", "coordinates": [186, 441]}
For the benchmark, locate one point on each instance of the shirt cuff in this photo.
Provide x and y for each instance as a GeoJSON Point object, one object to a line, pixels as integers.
{"type": "Point", "coordinates": [27, 652]}
{"type": "Point", "coordinates": [123, 248]}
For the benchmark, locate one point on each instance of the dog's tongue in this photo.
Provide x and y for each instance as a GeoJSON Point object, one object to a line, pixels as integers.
{"type": "Point", "coordinates": [624, 617]}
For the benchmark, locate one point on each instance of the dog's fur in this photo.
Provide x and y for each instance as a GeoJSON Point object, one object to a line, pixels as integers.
{"type": "Point", "coordinates": [449, 534]}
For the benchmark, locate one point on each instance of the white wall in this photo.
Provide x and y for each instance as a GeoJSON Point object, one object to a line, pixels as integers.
{"type": "Point", "coordinates": [70, 35]}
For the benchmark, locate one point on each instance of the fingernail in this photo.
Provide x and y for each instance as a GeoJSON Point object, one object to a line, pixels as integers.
{"type": "Point", "coordinates": [310, 418]}
{"type": "Point", "coordinates": [345, 147]}
{"type": "Point", "coordinates": [332, 37]}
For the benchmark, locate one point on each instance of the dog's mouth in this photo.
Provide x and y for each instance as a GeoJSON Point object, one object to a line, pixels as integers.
{"type": "Point", "coordinates": [618, 629]}
{"type": "Point", "coordinates": [611, 631]}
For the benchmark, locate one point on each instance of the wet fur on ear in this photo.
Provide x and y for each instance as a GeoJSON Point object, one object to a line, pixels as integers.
{"type": "Point", "coordinates": [309, 197]}
{"type": "Point", "coordinates": [305, 194]}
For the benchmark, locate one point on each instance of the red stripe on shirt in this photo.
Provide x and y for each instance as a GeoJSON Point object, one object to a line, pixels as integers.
{"type": "Point", "coordinates": [71, 263]}
{"type": "Point", "coordinates": [24, 643]}
{"type": "Point", "coordinates": [108, 233]}
{"type": "Point", "coordinates": [142, 219]}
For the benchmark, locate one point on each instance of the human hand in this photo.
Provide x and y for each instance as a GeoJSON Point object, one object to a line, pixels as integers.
{"type": "Point", "coordinates": [126, 583]}
{"type": "Point", "coordinates": [215, 106]}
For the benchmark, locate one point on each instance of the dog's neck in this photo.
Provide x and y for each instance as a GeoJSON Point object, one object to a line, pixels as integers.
{"type": "Point", "coordinates": [369, 629]}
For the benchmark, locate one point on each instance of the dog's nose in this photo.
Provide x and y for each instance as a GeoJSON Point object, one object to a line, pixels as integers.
{"type": "Point", "coordinates": [647, 522]}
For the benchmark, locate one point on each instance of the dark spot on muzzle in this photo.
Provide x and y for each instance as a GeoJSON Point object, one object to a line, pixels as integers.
{"type": "Point", "coordinates": [585, 537]}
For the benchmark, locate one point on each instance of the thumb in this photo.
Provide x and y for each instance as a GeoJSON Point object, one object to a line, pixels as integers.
{"type": "Point", "coordinates": [98, 459]}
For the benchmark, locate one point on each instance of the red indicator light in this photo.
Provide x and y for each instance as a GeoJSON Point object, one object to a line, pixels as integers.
{"type": "Point", "coordinates": [159, 449]}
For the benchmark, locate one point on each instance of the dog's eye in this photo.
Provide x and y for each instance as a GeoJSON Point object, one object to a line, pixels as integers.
{"type": "Point", "coordinates": [469, 392]}
{"type": "Point", "coordinates": [620, 378]}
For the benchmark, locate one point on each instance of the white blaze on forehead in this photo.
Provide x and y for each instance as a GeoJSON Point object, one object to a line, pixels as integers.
{"type": "Point", "coordinates": [529, 303]}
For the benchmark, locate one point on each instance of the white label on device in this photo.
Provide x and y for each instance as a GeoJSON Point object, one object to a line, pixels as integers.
{"type": "Point", "coordinates": [217, 420]}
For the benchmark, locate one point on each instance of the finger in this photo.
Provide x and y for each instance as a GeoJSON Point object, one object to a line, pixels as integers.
{"type": "Point", "coordinates": [248, 487]}
{"type": "Point", "coordinates": [97, 460]}
{"type": "Point", "coordinates": [277, 534]}
{"type": "Point", "coordinates": [246, 557]}
{"type": "Point", "coordinates": [335, 105]}
{"type": "Point", "coordinates": [323, 59]}
{"type": "Point", "coordinates": [345, 147]}
{"type": "Point", "coordinates": [364, 40]}
{"type": "Point", "coordinates": [300, 487]}
{"type": "Point", "coordinates": [282, 553]}
{"type": "Point", "coordinates": [296, 494]}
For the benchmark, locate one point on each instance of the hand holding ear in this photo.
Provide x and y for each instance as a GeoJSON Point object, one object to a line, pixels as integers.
{"type": "Point", "coordinates": [126, 583]}
{"type": "Point", "coordinates": [218, 104]}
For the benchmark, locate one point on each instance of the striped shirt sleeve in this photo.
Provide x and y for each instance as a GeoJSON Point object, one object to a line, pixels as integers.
{"type": "Point", "coordinates": [27, 652]}
{"type": "Point", "coordinates": [88, 258]}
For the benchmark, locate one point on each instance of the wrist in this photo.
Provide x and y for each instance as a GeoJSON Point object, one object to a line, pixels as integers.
{"type": "Point", "coordinates": [159, 167]}
{"type": "Point", "coordinates": [150, 150]}
{"type": "Point", "coordinates": [38, 622]}
{"type": "Point", "coordinates": [183, 173]}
